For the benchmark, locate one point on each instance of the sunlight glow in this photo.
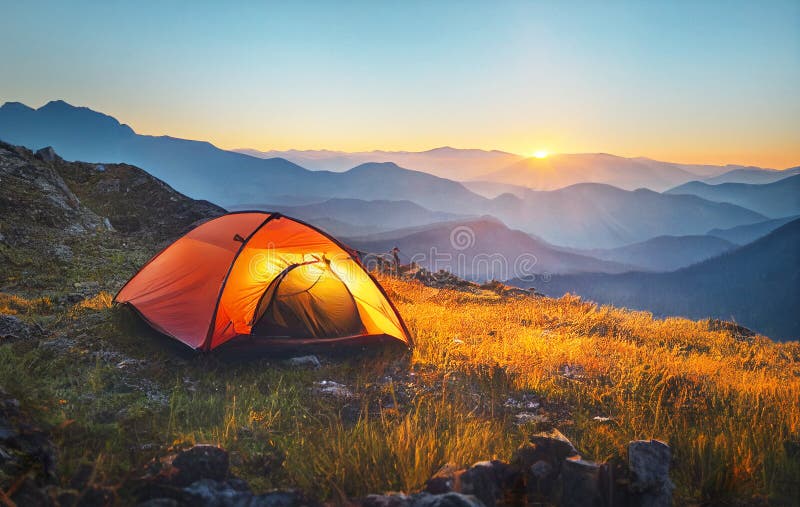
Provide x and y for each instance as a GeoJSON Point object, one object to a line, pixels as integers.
{"type": "Point", "coordinates": [540, 154]}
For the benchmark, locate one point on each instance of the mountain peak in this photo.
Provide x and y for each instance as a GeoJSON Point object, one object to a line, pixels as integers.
{"type": "Point", "coordinates": [15, 106]}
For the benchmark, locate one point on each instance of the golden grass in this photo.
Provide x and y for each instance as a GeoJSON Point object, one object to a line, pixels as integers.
{"type": "Point", "coordinates": [725, 405]}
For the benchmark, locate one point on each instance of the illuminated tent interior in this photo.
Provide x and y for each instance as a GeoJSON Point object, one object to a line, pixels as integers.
{"type": "Point", "coordinates": [264, 276]}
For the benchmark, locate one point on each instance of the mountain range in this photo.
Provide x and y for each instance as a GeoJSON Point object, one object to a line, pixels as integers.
{"type": "Point", "coordinates": [480, 249]}
{"type": "Point", "coordinates": [446, 162]}
{"type": "Point", "coordinates": [776, 199]}
{"type": "Point", "coordinates": [757, 285]}
{"type": "Point", "coordinates": [585, 215]}
{"type": "Point", "coordinates": [349, 217]}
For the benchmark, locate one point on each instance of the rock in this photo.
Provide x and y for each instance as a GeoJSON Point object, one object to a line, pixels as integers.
{"type": "Point", "coordinates": [13, 329]}
{"type": "Point", "coordinates": [485, 480]}
{"type": "Point", "coordinates": [445, 500]}
{"type": "Point", "coordinates": [47, 154]}
{"type": "Point", "coordinates": [648, 463]}
{"type": "Point", "coordinates": [530, 418]}
{"type": "Point", "coordinates": [540, 461]}
{"type": "Point", "coordinates": [62, 253]}
{"type": "Point", "coordinates": [310, 361]}
{"type": "Point", "coordinates": [580, 479]}
{"type": "Point", "coordinates": [212, 493]}
{"type": "Point", "coordinates": [200, 462]}
{"type": "Point", "coordinates": [391, 500]}
{"type": "Point", "coordinates": [443, 481]}
{"type": "Point", "coordinates": [335, 389]}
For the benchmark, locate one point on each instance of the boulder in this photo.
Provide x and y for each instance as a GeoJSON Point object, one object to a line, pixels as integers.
{"type": "Point", "coordinates": [200, 462]}
{"type": "Point", "coordinates": [47, 154]}
{"type": "Point", "coordinates": [390, 500]}
{"type": "Point", "coordinates": [648, 463]}
{"type": "Point", "coordinates": [13, 328]}
{"type": "Point", "coordinates": [580, 480]}
{"type": "Point", "coordinates": [540, 461]}
{"type": "Point", "coordinates": [445, 500]}
{"type": "Point", "coordinates": [305, 361]}
{"type": "Point", "coordinates": [487, 481]}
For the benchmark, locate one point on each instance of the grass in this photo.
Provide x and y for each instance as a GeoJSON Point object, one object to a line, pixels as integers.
{"type": "Point", "coordinates": [117, 395]}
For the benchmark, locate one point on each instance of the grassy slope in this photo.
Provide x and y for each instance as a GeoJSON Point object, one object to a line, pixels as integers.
{"type": "Point", "coordinates": [726, 405]}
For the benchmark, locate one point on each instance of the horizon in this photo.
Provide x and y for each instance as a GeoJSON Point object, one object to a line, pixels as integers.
{"type": "Point", "coordinates": [536, 155]}
{"type": "Point", "coordinates": [693, 83]}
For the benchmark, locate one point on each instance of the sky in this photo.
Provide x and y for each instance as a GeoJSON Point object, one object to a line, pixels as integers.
{"type": "Point", "coordinates": [685, 81]}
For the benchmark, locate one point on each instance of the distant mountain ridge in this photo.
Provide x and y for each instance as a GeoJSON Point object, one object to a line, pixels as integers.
{"type": "Point", "coordinates": [480, 249]}
{"type": "Point", "coordinates": [581, 216]}
{"type": "Point", "coordinates": [757, 285]}
{"type": "Point", "coordinates": [592, 215]}
{"type": "Point", "coordinates": [356, 216]}
{"type": "Point", "coordinates": [666, 253]}
{"type": "Point", "coordinates": [446, 162]}
{"type": "Point", "coordinates": [776, 200]}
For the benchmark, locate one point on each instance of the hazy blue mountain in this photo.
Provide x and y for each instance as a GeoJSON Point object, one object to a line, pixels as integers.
{"type": "Point", "coordinates": [665, 253]}
{"type": "Point", "coordinates": [582, 216]}
{"type": "Point", "coordinates": [757, 285]}
{"type": "Point", "coordinates": [446, 162]}
{"type": "Point", "coordinates": [491, 189]}
{"type": "Point", "coordinates": [775, 200]}
{"type": "Point", "coordinates": [356, 217]}
{"type": "Point", "coordinates": [480, 249]}
{"type": "Point", "coordinates": [591, 215]}
{"type": "Point", "coordinates": [201, 170]}
{"type": "Point", "coordinates": [753, 175]}
{"type": "Point", "coordinates": [562, 170]}
{"type": "Point", "coordinates": [744, 234]}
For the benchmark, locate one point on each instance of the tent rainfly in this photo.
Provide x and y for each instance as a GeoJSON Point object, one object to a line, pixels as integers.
{"type": "Point", "coordinates": [262, 275]}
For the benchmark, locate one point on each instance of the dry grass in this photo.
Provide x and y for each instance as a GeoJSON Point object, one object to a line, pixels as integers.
{"type": "Point", "coordinates": [725, 405]}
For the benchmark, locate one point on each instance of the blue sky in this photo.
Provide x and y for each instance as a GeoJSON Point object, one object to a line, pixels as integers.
{"type": "Point", "coordinates": [685, 81]}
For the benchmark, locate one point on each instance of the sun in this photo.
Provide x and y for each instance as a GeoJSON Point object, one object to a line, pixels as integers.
{"type": "Point", "coordinates": [540, 154]}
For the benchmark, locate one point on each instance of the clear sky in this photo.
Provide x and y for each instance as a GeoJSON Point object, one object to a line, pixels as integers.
{"type": "Point", "coordinates": [688, 81]}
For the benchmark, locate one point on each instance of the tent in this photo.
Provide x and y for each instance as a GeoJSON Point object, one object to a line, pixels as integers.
{"type": "Point", "coordinates": [265, 276]}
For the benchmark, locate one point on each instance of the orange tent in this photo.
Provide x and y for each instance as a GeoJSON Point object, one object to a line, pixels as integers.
{"type": "Point", "coordinates": [266, 276]}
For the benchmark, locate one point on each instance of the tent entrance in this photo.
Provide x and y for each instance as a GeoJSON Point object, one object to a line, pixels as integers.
{"type": "Point", "coordinates": [307, 301]}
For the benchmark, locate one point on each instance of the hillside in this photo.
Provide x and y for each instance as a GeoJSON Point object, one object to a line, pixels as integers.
{"type": "Point", "coordinates": [590, 215]}
{"type": "Point", "coordinates": [480, 249]}
{"type": "Point", "coordinates": [775, 200]}
{"type": "Point", "coordinates": [757, 285]}
{"type": "Point", "coordinates": [665, 253]}
{"type": "Point", "coordinates": [105, 396]}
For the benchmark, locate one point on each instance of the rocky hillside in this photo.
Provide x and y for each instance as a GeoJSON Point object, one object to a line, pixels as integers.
{"type": "Point", "coordinates": [51, 210]}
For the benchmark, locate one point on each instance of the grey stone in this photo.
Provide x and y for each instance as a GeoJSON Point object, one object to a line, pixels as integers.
{"type": "Point", "coordinates": [485, 480]}
{"type": "Point", "coordinates": [580, 482]}
{"type": "Point", "coordinates": [648, 463]}
{"type": "Point", "coordinates": [12, 329]}
{"type": "Point", "coordinates": [201, 462]}
{"type": "Point", "coordinates": [390, 500]}
{"type": "Point", "coordinates": [445, 500]}
{"type": "Point", "coordinates": [310, 361]}
{"type": "Point", "coordinates": [47, 154]}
